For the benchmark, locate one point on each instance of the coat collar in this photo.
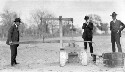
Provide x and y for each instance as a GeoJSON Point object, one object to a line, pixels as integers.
{"type": "Point", "coordinates": [16, 25]}
{"type": "Point", "coordinates": [114, 21]}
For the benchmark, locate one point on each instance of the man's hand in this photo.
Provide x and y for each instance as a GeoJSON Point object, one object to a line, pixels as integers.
{"type": "Point", "coordinates": [10, 42]}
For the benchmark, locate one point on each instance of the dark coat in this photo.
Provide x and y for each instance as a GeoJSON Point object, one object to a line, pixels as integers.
{"type": "Point", "coordinates": [87, 30]}
{"type": "Point", "coordinates": [13, 34]}
{"type": "Point", "coordinates": [114, 27]}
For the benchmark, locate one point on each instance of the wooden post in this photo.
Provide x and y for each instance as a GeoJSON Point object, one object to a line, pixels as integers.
{"type": "Point", "coordinates": [72, 30]}
{"type": "Point", "coordinates": [60, 28]}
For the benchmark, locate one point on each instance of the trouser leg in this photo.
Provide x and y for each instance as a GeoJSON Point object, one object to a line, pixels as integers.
{"type": "Point", "coordinates": [113, 46]}
{"type": "Point", "coordinates": [118, 43]}
{"type": "Point", "coordinates": [113, 41]}
{"type": "Point", "coordinates": [85, 44]}
{"type": "Point", "coordinates": [13, 54]}
{"type": "Point", "coordinates": [90, 45]}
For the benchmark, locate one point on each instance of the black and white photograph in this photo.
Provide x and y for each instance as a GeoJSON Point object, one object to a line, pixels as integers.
{"type": "Point", "coordinates": [62, 35]}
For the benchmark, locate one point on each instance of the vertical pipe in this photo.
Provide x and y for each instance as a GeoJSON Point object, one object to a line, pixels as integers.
{"type": "Point", "coordinates": [60, 27]}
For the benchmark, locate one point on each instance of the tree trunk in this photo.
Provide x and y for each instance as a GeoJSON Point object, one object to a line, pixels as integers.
{"type": "Point", "coordinates": [43, 38]}
{"type": "Point", "coordinates": [3, 36]}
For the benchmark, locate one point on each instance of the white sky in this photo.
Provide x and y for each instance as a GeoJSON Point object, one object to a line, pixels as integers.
{"type": "Point", "coordinates": [77, 9]}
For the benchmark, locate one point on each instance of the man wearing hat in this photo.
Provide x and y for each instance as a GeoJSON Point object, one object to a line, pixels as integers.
{"type": "Point", "coordinates": [87, 34]}
{"type": "Point", "coordinates": [116, 26]}
{"type": "Point", "coordinates": [13, 36]}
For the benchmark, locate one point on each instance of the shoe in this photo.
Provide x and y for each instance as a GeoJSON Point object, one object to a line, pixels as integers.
{"type": "Point", "coordinates": [92, 55]}
{"type": "Point", "coordinates": [13, 65]}
{"type": "Point", "coordinates": [17, 63]}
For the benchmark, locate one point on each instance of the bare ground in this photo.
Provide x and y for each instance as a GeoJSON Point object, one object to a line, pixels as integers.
{"type": "Point", "coordinates": [45, 57]}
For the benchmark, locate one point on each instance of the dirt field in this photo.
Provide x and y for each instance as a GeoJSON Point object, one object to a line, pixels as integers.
{"type": "Point", "coordinates": [45, 57]}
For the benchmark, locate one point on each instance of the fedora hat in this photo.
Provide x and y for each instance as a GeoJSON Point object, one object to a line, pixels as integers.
{"type": "Point", "coordinates": [17, 20]}
{"type": "Point", "coordinates": [113, 14]}
{"type": "Point", "coordinates": [86, 17]}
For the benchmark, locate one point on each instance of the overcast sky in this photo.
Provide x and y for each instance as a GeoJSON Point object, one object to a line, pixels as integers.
{"type": "Point", "coordinates": [77, 9]}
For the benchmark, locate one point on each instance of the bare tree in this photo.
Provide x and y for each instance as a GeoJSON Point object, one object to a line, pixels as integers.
{"type": "Point", "coordinates": [7, 18]}
{"type": "Point", "coordinates": [96, 19]}
{"type": "Point", "coordinates": [22, 29]}
{"type": "Point", "coordinates": [42, 25]}
{"type": "Point", "coordinates": [36, 15]}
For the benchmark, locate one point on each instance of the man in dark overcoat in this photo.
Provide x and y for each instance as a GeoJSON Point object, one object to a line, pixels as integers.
{"type": "Point", "coordinates": [13, 36]}
{"type": "Point", "coordinates": [87, 34]}
{"type": "Point", "coordinates": [116, 26]}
